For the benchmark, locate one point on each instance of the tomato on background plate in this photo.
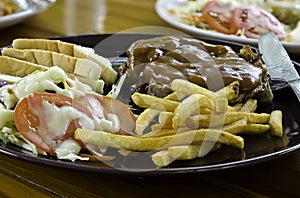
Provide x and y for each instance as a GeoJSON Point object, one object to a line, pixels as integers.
{"type": "Point", "coordinates": [218, 17]}
{"type": "Point", "coordinates": [252, 20]}
{"type": "Point", "coordinates": [255, 21]}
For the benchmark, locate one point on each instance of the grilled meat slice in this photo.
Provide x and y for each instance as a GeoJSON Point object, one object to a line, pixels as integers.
{"type": "Point", "coordinates": [153, 64]}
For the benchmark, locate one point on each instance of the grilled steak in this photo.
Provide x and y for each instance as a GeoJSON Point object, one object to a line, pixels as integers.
{"type": "Point", "coordinates": [153, 64]}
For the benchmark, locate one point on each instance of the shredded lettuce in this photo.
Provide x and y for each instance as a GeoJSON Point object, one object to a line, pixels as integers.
{"type": "Point", "coordinates": [39, 81]}
{"type": "Point", "coordinates": [9, 134]}
{"type": "Point", "coordinates": [68, 150]}
{"type": "Point", "coordinates": [115, 91]}
{"type": "Point", "coordinates": [6, 116]}
{"type": "Point", "coordinates": [54, 79]}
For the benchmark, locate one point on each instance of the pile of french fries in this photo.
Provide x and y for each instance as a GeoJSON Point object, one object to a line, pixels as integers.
{"type": "Point", "coordinates": [189, 123]}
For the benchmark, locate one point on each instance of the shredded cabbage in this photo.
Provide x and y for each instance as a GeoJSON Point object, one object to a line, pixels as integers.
{"type": "Point", "coordinates": [9, 134]}
{"type": "Point", "coordinates": [68, 150]}
{"type": "Point", "coordinates": [39, 81]}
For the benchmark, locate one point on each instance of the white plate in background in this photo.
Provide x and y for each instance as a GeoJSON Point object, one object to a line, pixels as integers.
{"type": "Point", "coordinates": [27, 8]}
{"type": "Point", "coordinates": [162, 8]}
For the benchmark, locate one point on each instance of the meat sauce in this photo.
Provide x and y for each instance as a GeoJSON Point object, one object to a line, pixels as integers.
{"type": "Point", "coordinates": [160, 60]}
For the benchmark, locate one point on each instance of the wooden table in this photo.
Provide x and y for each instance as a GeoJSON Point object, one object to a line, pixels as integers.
{"type": "Point", "coordinates": [70, 17]}
{"type": "Point", "coordinates": [19, 178]}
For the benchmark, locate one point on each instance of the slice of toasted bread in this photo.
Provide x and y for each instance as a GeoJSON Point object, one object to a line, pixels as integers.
{"type": "Point", "coordinates": [45, 44]}
{"type": "Point", "coordinates": [109, 75]}
{"type": "Point", "coordinates": [70, 64]}
{"type": "Point", "coordinates": [12, 69]}
{"type": "Point", "coordinates": [19, 68]}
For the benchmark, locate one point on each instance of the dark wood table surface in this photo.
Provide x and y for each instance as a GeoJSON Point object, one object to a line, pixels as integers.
{"type": "Point", "coordinates": [21, 178]}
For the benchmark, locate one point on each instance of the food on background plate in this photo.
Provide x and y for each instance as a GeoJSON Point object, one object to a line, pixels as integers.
{"type": "Point", "coordinates": [245, 18]}
{"type": "Point", "coordinates": [8, 7]}
{"type": "Point", "coordinates": [49, 111]}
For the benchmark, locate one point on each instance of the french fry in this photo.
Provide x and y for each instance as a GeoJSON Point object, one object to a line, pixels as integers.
{"type": "Point", "coordinates": [163, 132]}
{"type": "Point", "coordinates": [205, 111]}
{"type": "Point", "coordinates": [204, 121]}
{"type": "Point", "coordinates": [189, 107]}
{"type": "Point", "coordinates": [249, 106]}
{"type": "Point", "coordinates": [275, 123]}
{"type": "Point", "coordinates": [257, 118]}
{"type": "Point", "coordinates": [188, 88]}
{"type": "Point", "coordinates": [188, 152]}
{"type": "Point", "coordinates": [181, 96]}
{"type": "Point", "coordinates": [164, 121]}
{"type": "Point", "coordinates": [173, 96]}
{"type": "Point", "coordinates": [183, 86]}
{"type": "Point", "coordinates": [159, 126]}
{"type": "Point", "coordinates": [230, 109]}
{"type": "Point", "coordinates": [135, 143]}
{"type": "Point", "coordinates": [221, 105]}
{"type": "Point", "coordinates": [227, 118]}
{"type": "Point", "coordinates": [185, 152]}
{"type": "Point", "coordinates": [165, 118]}
{"type": "Point", "coordinates": [147, 101]}
{"type": "Point", "coordinates": [253, 129]}
{"type": "Point", "coordinates": [236, 127]}
{"type": "Point", "coordinates": [162, 158]}
{"type": "Point", "coordinates": [230, 91]}
{"type": "Point", "coordinates": [144, 119]}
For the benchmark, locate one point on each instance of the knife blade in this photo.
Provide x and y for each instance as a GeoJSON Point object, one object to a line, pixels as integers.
{"type": "Point", "coordinates": [278, 62]}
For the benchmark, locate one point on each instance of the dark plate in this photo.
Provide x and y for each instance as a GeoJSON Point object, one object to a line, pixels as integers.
{"type": "Point", "coordinates": [258, 148]}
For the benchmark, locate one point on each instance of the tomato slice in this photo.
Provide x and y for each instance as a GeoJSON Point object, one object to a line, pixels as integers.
{"type": "Point", "coordinates": [31, 120]}
{"type": "Point", "coordinates": [255, 21]}
{"type": "Point", "coordinates": [218, 17]}
{"type": "Point", "coordinates": [125, 115]}
{"type": "Point", "coordinates": [100, 106]}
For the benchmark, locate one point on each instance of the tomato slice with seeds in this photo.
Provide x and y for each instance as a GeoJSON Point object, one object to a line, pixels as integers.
{"type": "Point", "coordinates": [255, 21]}
{"type": "Point", "coordinates": [218, 17]}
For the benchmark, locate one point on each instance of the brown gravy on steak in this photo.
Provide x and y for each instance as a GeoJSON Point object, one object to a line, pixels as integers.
{"type": "Point", "coordinates": [212, 66]}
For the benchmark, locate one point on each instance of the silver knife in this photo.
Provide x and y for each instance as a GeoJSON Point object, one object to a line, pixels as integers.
{"type": "Point", "coordinates": [278, 62]}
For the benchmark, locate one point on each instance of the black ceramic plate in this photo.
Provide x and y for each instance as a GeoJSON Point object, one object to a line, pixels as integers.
{"type": "Point", "coordinates": [258, 148]}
